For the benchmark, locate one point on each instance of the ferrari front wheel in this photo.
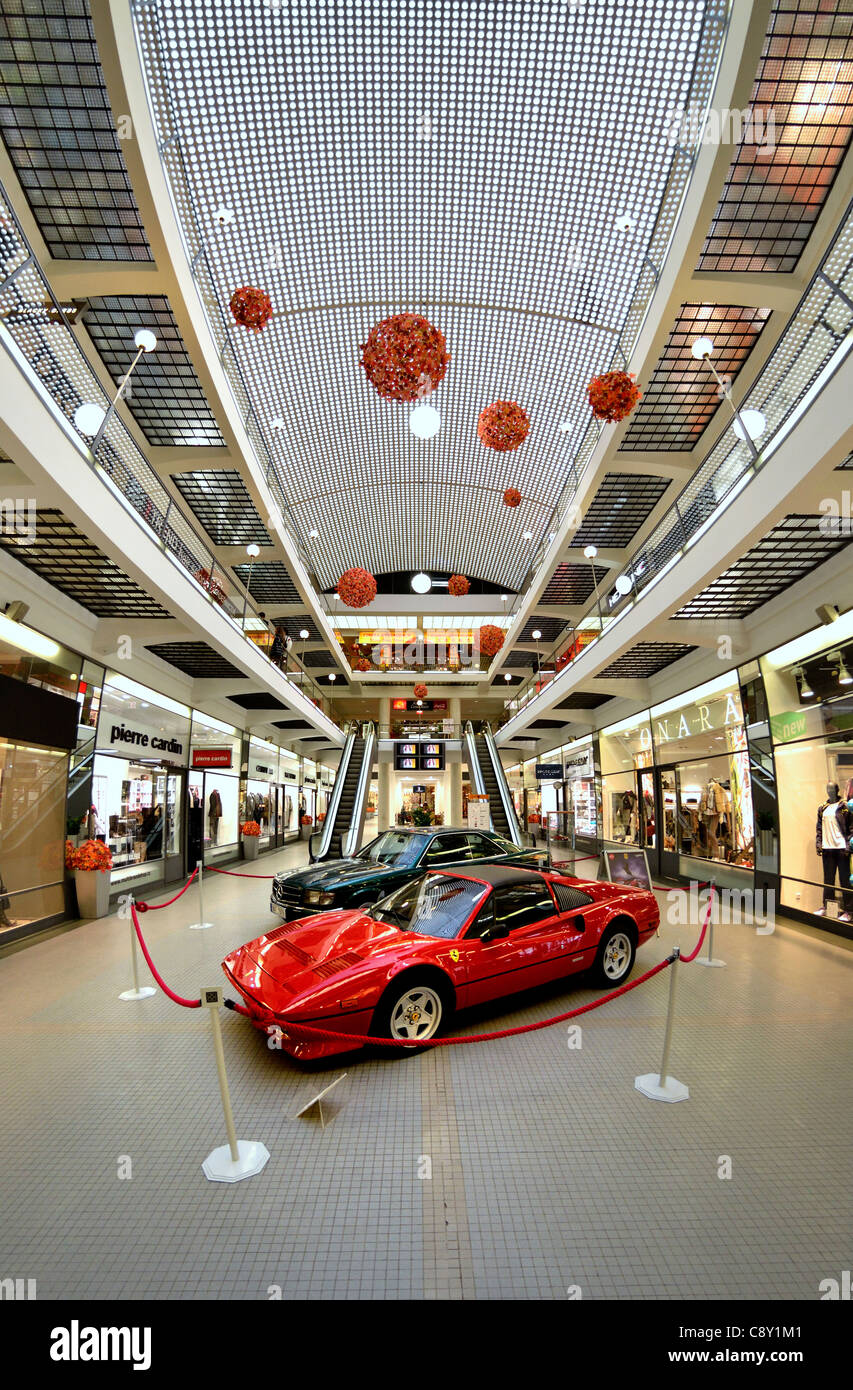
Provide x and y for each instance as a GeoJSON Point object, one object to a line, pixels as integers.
{"type": "Point", "coordinates": [410, 1012]}
{"type": "Point", "coordinates": [615, 958]}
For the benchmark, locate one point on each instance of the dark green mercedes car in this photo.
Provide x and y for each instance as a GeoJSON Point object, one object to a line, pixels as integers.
{"type": "Point", "coordinates": [386, 863]}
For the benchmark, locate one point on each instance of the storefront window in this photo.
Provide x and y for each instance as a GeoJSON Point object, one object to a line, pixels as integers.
{"type": "Point", "coordinates": [260, 795]}
{"type": "Point", "coordinates": [32, 833]}
{"type": "Point", "coordinates": [581, 805]}
{"type": "Point", "coordinates": [288, 801]}
{"type": "Point", "coordinates": [213, 792]}
{"type": "Point", "coordinates": [810, 707]}
{"type": "Point", "coordinates": [625, 750]}
{"type": "Point", "coordinates": [138, 782]}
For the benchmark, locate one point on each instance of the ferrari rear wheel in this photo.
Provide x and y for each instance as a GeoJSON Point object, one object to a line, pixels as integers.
{"type": "Point", "coordinates": [410, 1012]}
{"type": "Point", "coordinates": [615, 958]}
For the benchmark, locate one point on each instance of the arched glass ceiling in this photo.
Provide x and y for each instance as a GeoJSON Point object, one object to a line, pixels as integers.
{"type": "Point", "coordinates": [465, 161]}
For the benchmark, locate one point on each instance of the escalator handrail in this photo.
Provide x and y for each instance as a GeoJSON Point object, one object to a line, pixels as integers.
{"type": "Point", "coordinates": [474, 760]}
{"type": "Point", "coordinates": [503, 788]}
{"type": "Point", "coordinates": [337, 792]}
{"type": "Point", "coordinates": [351, 839]}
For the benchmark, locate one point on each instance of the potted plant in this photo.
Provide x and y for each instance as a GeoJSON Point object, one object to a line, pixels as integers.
{"type": "Point", "coordinates": [91, 864]}
{"type": "Point", "coordinates": [251, 831]}
{"type": "Point", "coordinates": [421, 816]}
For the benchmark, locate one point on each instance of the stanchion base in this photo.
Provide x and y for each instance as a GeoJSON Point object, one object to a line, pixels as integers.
{"type": "Point", "coordinates": [144, 993]}
{"type": "Point", "coordinates": [220, 1167]}
{"type": "Point", "coordinates": [200, 926]}
{"type": "Point", "coordinates": [649, 1085]}
{"type": "Point", "coordinates": [703, 960]}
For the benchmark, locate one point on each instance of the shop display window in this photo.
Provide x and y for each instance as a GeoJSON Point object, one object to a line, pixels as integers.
{"type": "Point", "coordinates": [32, 833]}
{"type": "Point", "coordinates": [625, 750]}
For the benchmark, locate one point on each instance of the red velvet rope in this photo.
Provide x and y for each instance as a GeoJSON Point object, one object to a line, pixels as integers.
{"type": "Point", "coordinates": [304, 1029]}
{"type": "Point", "coordinates": [178, 999]}
{"type": "Point", "coordinates": [694, 953]}
{"type": "Point", "coordinates": [155, 907]}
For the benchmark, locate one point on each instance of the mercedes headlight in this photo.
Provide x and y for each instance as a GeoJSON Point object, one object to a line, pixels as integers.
{"type": "Point", "coordinates": [318, 899]}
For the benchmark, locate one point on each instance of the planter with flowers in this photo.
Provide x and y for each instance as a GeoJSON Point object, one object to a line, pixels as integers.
{"type": "Point", "coordinates": [250, 831]}
{"type": "Point", "coordinates": [91, 864]}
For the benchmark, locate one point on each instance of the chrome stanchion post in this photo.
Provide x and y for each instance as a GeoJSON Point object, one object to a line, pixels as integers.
{"type": "Point", "coordinates": [710, 959]}
{"type": "Point", "coordinates": [239, 1158]}
{"type": "Point", "coordinates": [660, 1085]}
{"type": "Point", "coordinates": [201, 924]}
{"type": "Point", "coordinates": [147, 990]}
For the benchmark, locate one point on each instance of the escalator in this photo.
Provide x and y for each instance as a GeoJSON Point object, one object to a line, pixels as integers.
{"type": "Point", "coordinates": [344, 824]}
{"type": "Point", "coordinates": [489, 779]}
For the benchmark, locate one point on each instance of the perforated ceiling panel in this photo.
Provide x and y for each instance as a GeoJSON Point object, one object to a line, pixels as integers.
{"type": "Point", "coordinates": [271, 582]}
{"type": "Point", "coordinates": [196, 659]}
{"type": "Point", "coordinates": [781, 174]}
{"type": "Point", "coordinates": [60, 133]}
{"type": "Point", "coordinates": [619, 508]}
{"type": "Point", "coordinates": [164, 394]}
{"type": "Point", "coordinates": [791, 550]}
{"type": "Point", "coordinates": [221, 502]}
{"type": "Point", "coordinates": [573, 583]}
{"type": "Point", "coordinates": [550, 628]}
{"type": "Point", "coordinates": [683, 395]}
{"type": "Point", "coordinates": [646, 658]}
{"type": "Point", "coordinates": [464, 161]}
{"type": "Point", "coordinates": [62, 555]}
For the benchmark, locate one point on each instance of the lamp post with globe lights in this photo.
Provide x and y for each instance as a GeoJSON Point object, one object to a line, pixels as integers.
{"type": "Point", "coordinates": [748, 425]}
{"type": "Point", "coordinates": [91, 419]}
{"type": "Point", "coordinates": [253, 551]}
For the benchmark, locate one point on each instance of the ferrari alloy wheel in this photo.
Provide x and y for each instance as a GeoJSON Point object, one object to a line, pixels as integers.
{"type": "Point", "coordinates": [615, 957]}
{"type": "Point", "coordinates": [417, 1014]}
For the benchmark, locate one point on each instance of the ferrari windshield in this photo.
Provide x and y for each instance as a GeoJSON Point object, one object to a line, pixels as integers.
{"type": "Point", "coordinates": [435, 905]}
{"type": "Point", "coordinates": [395, 848]}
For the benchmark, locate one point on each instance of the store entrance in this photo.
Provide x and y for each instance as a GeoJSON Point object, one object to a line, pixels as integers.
{"type": "Point", "coordinates": [174, 796]}
{"type": "Point", "coordinates": [666, 825]}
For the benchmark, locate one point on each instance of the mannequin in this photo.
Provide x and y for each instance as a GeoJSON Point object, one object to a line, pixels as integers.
{"type": "Point", "coordinates": [713, 806]}
{"type": "Point", "coordinates": [832, 842]}
{"type": "Point", "coordinates": [214, 815]}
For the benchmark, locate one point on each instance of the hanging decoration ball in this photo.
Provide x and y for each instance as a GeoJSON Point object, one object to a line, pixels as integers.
{"type": "Point", "coordinates": [420, 691]}
{"type": "Point", "coordinates": [491, 639]}
{"type": "Point", "coordinates": [512, 497]}
{"type": "Point", "coordinates": [613, 396]}
{"type": "Point", "coordinates": [503, 425]}
{"type": "Point", "coordinates": [251, 307]}
{"type": "Point", "coordinates": [363, 664]}
{"type": "Point", "coordinates": [357, 588]}
{"type": "Point", "coordinates": [458, 585]}
{"type": "Point", "coordinates": [405, 357]}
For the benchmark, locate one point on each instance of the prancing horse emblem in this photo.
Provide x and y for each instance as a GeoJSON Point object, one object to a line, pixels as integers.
{"type": "Point", "coordinates": [454, 955]}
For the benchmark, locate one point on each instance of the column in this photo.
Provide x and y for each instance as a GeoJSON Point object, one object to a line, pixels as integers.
{"type": "Point", "coordinates": [384, 812]}
{"type": "Point", "coordinates": [454, 772]}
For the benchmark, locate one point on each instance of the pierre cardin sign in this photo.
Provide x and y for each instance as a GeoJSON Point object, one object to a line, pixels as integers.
{"type": "Point", "coordinates": [130, 736]}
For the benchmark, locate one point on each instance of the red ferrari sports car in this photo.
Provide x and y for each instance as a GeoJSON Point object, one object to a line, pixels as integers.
{"type": "Point", "coordinates": [443, 942]}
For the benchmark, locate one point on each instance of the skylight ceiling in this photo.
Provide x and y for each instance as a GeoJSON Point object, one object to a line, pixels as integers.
{"type": "Point", "coordinates": [465, 162]}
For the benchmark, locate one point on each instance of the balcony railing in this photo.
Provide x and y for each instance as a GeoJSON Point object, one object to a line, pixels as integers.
{"type": "Point", "coordinates": [816, 341]}
{"type": "Point", "coordinates": [32, 321]}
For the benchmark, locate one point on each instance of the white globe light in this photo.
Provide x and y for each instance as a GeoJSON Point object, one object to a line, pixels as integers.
{"type": "Point", "coordinates": [536, 634]}
{"type": "Point", "coordinates": [89, 417]}
{"type": "Point", "coordinates": [421, 583]}
{"type": "Point", "coordinates": [304, 634]}
{"type": "Point", "coordinates": [333, 677]}
{"type": "Point", "coordinates": [703, 347]}
{"type": "Point", "coordinates": [424, 421]}
{"type": "Point", "coordinates": [507, 676]}
{"type": "Point", "coordinates": [420, 702]}
{"type": "Point", "coordinates": [224, 216]}
{"type": "Point", "coordinates": [145, 339]}
{"type": "Point", "coordinates": [752, 423]}
{"type": "Point", "coordinates": [591, 552]}
{"type": "Point", "coordinates": [253, 550]}
{"type": "Point", "coordinates": [623, 584]}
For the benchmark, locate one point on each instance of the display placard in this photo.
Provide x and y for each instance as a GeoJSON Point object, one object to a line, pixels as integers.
{"type": "Point", "coordinates": [479, 817]}
{"type": "Point", "coordinates": [627, 867]}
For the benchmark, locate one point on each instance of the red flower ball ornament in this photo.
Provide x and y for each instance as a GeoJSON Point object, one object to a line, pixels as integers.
{"type": "Point", "coordinates": [251, 307]}
{"type": "Point", "coordinates": [357, 588]}
{"type": "Point", "coordinates": [458, 586]}
{"type": "Point", "coordinates": [491, 639]}
{"type": "Point", "coordinates": [420, 691]}
{"type": "Point", "coordinates": [405, 357]}
{"type": "Point", "coordinates": [503, 425]}
{"type": "Point", "coordinates": [512, 497]}
{"type": "Point", "coordinates": [613, 396]}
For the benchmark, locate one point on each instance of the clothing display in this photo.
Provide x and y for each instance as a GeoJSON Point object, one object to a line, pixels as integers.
{"type": "Point", "coordinates": [832, 842]}
{"type": "Point", "coordinates": [214, 815]}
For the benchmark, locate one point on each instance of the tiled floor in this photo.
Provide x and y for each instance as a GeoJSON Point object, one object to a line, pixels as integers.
{"type": "Point", "coordinates": [548, 1170]}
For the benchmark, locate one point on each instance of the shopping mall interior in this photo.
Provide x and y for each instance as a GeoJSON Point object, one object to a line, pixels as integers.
{"type": "Point", "coordinates": [426, 515]}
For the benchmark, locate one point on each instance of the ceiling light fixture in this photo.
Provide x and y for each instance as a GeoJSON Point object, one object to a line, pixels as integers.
{"type": "Point", "coordinates": [536, 634]}
{"type": "Point", "coordinates": [702, 348]}
{"type": "Point", "coordinates": [591, 551]}
{"type": "Point", "coordinates": [27, 640]}
{"type": "Point", "coordinates": [623, 585]}
{"type": "Point", "coordinates": [332, 677]}
{"type": "Point", "coordinates": [806, 692]}
{"type": "Point", "coordinates": [224, 216]}
{"type": "Point", "coordinates": [88, 418]}
{"type": "Point", "coordinates": [421, 583]}
{"type": "Point", "coordinates": [844, 676]}
{"type": "Point", "coordinates": [507, 676]}
{"type": "Point", "coordinates": [313, 534]}
{"type": "Point", "coordinates": [527, 536]}
{"type": "Point", "coordinates": [424, 421]}
{"type": "Point", "coordinates": [145, 340]}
